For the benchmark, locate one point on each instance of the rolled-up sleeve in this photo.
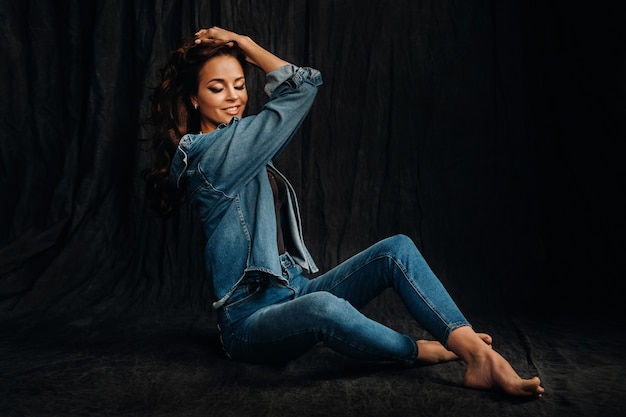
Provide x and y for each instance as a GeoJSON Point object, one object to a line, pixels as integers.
{"type": "Point", "coordinates": [292, 74]}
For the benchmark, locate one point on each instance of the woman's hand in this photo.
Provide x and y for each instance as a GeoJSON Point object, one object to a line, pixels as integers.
{"type": "Point", "coordinates": [215, 35]}
{"type": "Point", "coordinates": [255, 54]}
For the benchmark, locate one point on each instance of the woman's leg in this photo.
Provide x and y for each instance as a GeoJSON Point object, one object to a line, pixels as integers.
{"type": "Point", "coordinates": [395, 263]}
{"type": "Point", "coordinates": [325, 309]}
{"type": "Point", "coordinates": [279, 332]}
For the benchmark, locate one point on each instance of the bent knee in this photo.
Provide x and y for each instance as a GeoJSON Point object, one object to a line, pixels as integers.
{"type": "Point", "coordinates": [400, 244]}
{"type": "Point", "coordinates": [402, 240]}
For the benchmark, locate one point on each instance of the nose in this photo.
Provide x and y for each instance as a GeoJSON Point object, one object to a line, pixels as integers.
{"type": "Point", "coordinates": [232, 94]}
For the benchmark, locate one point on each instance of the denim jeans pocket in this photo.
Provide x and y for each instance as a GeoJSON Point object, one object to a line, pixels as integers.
{"type": "Point", "coordinates": [241, 303]}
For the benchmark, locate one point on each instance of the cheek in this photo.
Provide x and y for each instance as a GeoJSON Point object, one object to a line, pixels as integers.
{"type": "Point", "coordinates": [207, 100]}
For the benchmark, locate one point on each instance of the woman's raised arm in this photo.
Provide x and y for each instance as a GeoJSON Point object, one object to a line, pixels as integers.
{"type": "Point", "coordinates": [255, 54]}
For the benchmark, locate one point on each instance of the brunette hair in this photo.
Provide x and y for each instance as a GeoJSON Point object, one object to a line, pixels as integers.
{"type": "Point", "coordinates": [173, 115]}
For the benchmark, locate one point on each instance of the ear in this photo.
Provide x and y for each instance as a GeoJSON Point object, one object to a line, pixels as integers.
{"type": "Point", "coordinates": [194, 101]}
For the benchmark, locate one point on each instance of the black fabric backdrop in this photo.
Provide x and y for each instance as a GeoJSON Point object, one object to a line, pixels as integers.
{"type": "Point", "coordinates": [488, 131]}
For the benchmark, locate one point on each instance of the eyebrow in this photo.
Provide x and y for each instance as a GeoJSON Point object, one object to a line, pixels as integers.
{"type": "Point", "coordinates": [221, 80]}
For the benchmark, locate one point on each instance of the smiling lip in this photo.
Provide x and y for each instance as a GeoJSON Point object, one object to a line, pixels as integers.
{"type": "Point", "coordinates": [232, 110]}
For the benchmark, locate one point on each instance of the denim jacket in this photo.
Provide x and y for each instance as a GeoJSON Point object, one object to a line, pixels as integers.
{"type": "Point", "coordinates": [225, 172]}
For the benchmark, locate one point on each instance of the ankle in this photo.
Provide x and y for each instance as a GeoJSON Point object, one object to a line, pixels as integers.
{"type": "Point", "coordinates": [467, 344]}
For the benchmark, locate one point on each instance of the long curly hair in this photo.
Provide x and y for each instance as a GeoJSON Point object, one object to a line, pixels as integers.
{"type": "Point", "coordinates": [173, 115]}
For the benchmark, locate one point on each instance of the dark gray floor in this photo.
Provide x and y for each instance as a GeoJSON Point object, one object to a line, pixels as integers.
{"type": "Point", "coordinates": [176, 368]}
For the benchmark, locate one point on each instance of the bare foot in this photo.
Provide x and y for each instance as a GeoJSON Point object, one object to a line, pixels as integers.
{"type": "Point", "coordinates": [431, 352]}
{"type": "Point", "coordinates": [486, 368]}
{"type": "Point", "coordinates": [485, 338]}
{"type": "Point", "coordinates": [492, 371]}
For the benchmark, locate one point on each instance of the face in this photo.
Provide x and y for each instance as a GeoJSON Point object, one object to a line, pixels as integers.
{"type": "Point", "coordinates": [221, 92]}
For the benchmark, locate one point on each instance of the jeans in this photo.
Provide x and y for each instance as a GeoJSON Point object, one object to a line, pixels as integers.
{"type": "Point", "coordinates": [267, 323]}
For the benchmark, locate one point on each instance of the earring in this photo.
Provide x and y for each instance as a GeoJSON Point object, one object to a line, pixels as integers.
{"type": "Point", "coordinates": [195, 107]}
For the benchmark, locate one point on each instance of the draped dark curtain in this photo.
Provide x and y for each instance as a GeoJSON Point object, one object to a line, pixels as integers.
{"type": "Point", "coordinates": [490, 132]}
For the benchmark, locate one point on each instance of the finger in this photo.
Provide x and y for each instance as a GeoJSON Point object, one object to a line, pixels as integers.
{"type": "Point", "coordinates": [204, 36]}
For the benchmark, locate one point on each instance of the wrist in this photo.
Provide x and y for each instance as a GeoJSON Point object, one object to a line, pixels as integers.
{"type": "Point", "coordinates": [245, 42]}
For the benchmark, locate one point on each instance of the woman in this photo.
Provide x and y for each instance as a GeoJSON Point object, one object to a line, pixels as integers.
{"type": "Point", "coordinates": [268, 310]}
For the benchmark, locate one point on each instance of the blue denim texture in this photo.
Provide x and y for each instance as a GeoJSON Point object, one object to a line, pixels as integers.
{"type": "Point", "coordinates": [268, 310]}
{"type": "Point", "coordinates": [225, 174]}
{"type": "Point", "coordinates": [266, 323]}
